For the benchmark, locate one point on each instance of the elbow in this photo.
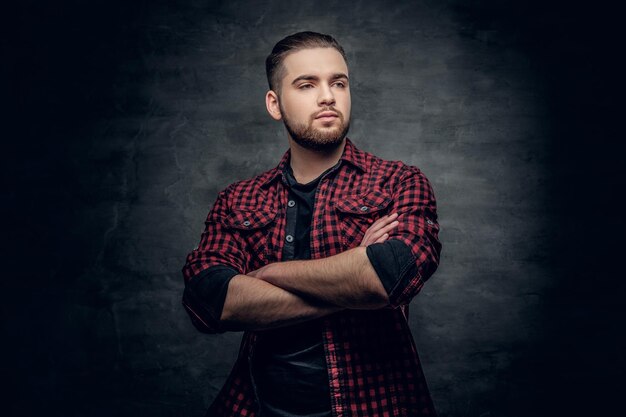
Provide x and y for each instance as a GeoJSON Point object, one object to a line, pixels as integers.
{"type": "Point", "coordinates": [368, 299]}
{"type": "Point", "coordinates": [202, 319]}
{"type": "Point", "coordinates": [412, 281]}
{"type": "Point", "coordinates": [228, 322]}
{"type": "Point", "coordinates": [375, 296]}
{"type": "Point", "coordinates": [200, 322]}
{"type": "Point", "coordinates": [369, 290]}
{"type": "Point", "coordinates": [378, 300]}
{"type": "Point", "coordinates": [203, 299]}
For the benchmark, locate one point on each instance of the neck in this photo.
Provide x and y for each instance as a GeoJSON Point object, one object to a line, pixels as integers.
{"type": "Point", "coordinates": [308, 165]}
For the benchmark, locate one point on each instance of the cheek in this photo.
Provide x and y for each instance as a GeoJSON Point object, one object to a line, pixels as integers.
{"type": "Point", "coordinates": [297, 112]}
{"type": "Point", "coordinates": [346, 105]}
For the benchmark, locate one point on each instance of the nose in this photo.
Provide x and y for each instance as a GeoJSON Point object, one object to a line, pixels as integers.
{"type": "Point", "coordinates": [326, 97]}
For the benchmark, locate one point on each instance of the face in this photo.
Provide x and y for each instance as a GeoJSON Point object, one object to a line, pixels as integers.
{"type": "Point", "coordinates": [315, 85]}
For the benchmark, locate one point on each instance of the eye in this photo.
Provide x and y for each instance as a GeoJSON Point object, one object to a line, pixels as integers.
{"type": "Point", "coordinates": [340, 84]}
{"type": "Point", "coordinates": [305, 86]}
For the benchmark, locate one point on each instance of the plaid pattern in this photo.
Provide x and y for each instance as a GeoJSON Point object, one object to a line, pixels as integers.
{"type": "Point", "coordinates": [373, 365]}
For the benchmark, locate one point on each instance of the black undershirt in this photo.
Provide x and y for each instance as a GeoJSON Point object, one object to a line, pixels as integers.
{"type": "Point", "coordinates": [289, 365]}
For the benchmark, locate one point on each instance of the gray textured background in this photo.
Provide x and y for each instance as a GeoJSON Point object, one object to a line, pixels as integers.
{"type": "Point", "coordinates": [129, 118]}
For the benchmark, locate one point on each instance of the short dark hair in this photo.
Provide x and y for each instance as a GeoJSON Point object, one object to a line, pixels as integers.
{"type": "Point", "coordinates": [274, 67]}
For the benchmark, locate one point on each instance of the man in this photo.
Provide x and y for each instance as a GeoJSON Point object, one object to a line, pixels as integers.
{"type": "Point", "coordinates": [317, 260]}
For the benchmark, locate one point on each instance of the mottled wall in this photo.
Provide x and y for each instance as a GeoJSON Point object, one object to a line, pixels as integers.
{"type": "Point", "coordinates": [127, 120]}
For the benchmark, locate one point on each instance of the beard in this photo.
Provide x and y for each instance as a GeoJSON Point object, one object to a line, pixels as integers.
{"type": "Point", "coordinates": [316, 139]}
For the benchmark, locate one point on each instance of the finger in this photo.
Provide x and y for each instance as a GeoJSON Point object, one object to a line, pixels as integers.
{"type": "Point", "coordinates": [382, 222]}
{"type": "Point", "coordinates": [382, 238]}
{"type": "Point", "coordinates": [386, 219]}
{"type": "Point", "coordinates": [369, 237]}
{"type": "Point", "coordinates": [368, 241]}
{"type": "Point", "coordinates": [376, 230]}
{"type": "Point", "coordinates": [378, 233]}
{"type": "Point", "coordinates": [374, 237]}
{"type": "Point", "coordinates": [390, 226]}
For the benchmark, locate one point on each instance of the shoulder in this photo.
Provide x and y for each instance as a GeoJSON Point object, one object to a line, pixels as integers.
{"type": "Point", "coordinates": [247, 192]}
{"type": "Point", "coordinates": [399, 181]}
{"type": "Point", "coordinates": [390, 172]}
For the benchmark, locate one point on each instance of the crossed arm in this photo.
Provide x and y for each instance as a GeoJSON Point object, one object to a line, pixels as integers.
{"type": "Point", "coordinates": [285, 293]}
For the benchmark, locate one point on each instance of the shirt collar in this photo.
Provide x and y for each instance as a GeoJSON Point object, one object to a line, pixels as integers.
{"type": "Point", "coordinates": [351, 154]}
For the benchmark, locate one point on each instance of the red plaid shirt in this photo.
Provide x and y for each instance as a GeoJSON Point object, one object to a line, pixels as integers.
{"type": "Point", "coordinates": [373, 365]}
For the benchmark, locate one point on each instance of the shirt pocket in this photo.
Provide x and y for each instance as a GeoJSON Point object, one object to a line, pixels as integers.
{"type": "Point", "coordinates": [254, 227]}
{"type": "Point", "coordinates": [357, 213]}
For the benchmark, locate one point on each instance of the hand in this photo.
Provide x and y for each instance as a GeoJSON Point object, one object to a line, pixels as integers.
{"type": "Point", "coordinates": [378, 231]}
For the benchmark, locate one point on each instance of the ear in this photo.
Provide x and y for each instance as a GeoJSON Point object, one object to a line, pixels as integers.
{"type": "Point", "coordinates": [271, 102]}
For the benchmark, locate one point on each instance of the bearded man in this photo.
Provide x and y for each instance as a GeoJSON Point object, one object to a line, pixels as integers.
{"type": "Point", "coordinates": [317, 259]}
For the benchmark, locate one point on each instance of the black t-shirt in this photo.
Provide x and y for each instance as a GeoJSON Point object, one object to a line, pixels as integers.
{"type": "Point", "coordinates": [289, 366]}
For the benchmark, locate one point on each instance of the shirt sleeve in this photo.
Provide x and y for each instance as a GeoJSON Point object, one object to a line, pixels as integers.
{"type": "Point", "coordinates": [205, 295]}
{"type": "Point", "coordinates": [414, 201]}
{"type": "Point", "coordinates": [392, 260]}
{"type": "Point", "coordinates": [219, 246]}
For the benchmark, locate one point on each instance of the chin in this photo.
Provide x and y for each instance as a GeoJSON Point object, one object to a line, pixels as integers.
{"type": "Point", "coordinates": [318, 139]}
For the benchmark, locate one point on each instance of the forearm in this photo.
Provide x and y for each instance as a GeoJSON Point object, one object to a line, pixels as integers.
{"type": "Point", "coordinates": [346, 279]}
{"type": "Point", "coordinates": [253, 304]}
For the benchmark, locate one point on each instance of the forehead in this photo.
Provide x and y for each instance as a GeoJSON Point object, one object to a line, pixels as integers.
{"type": "Point", "coordinates": [314, 61]}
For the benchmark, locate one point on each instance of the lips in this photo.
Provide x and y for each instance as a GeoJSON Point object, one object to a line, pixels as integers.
{"type": "Point", "coordinates": [327, 114]}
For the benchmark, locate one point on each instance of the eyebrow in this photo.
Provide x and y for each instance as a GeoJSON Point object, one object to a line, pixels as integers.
{"type": "Point", "coordinates": [316, 78]}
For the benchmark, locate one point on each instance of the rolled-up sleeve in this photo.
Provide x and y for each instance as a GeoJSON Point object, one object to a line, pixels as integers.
{"type": "Point", "coordinates": [391, 260]}
{"type": "Point", "coordinates": [208, 269]}
{"type": "Point", "coordinates": [414, 201]}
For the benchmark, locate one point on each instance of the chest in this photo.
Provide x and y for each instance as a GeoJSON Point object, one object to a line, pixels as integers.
{"type": "Point", "coordinates": [341, 209]}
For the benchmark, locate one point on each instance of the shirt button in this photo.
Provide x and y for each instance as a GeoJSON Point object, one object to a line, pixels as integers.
{"type": "Point", "coordinates": [289, 238]}
{"type": "Point", "coordinates": [246, 223]}
{"type": "Point", "coordinates": [364, 208]}
{"type": "Point", "coordinates": [291, 203]}
{"type": "Point", "coordinates": [430, 222]}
